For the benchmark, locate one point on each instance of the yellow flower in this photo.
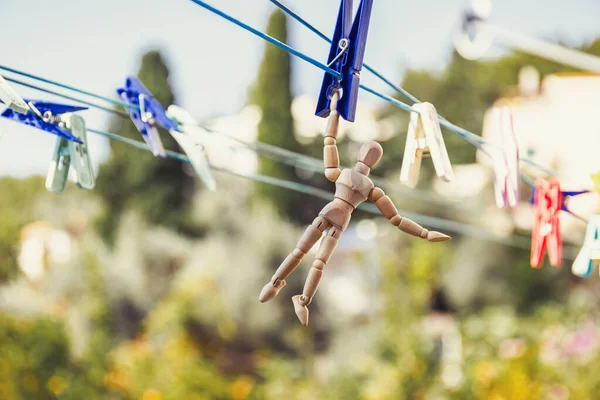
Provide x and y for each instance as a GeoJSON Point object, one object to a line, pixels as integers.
{"type": "Point", "coordinates": [152, 394]}
{"type": "Point", "coordinates": [115, 380]}
{"type": "Point", "coordinates": [484, 372]}
{"type": "Point", "coordinates": [57, 385]}
{"type": "Point", "coordinates": [180, 347]}
{"type": "Point", "coordinates": [241, 388]}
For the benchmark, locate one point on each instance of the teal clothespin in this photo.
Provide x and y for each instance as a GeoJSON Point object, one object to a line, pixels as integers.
{"type": "Point", "coordinates": [589, 255]}
{"type": "Point", "coordinates": [68, 153]}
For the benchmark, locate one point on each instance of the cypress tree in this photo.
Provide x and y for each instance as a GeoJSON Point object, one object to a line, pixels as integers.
{"type": "Point", "coordinates": [273, 95]}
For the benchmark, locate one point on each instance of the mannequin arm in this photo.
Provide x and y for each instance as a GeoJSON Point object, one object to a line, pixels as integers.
{"type": "Point", "coordinates": [388, 209]}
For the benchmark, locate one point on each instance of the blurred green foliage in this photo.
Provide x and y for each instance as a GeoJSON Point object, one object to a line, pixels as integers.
{"type": "Point", "coordinates": [101, 323]}
{"type": "Point", "coordinates": [550, 353]}
{"type": "Point", "coordinates": [35, 356]}
{"type": "Point", "coordinates": [16, 211]}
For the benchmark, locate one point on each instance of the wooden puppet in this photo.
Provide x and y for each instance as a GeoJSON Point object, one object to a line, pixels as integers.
{"type": "Point", "coordinates": [353, 187]}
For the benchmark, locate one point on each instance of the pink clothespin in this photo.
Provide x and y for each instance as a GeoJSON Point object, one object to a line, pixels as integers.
{"type": "Point", "coordinates": [505, 158]}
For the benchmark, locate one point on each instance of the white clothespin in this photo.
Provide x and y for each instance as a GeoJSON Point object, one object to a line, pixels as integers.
{"type": "Point", "coordinates": [12, 100]}
{"type": "Point", "coordinates": [71, 154]}
{"type": "Point", "coordinates": [589, 255]}
{"type": "Point", "coordinates": [191, 142]}
{"type": "Point", "coordinates": [505, 157]}
{"type": "Point", "coordinates": [424, 134]}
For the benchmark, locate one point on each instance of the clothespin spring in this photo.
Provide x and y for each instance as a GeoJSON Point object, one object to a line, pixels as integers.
{"type": "Point", "coordinates": [146, 116]}
{"type": "Point", "coordinates": [47, 116]}
{"type": "Point", "coordinates": [344, 45]}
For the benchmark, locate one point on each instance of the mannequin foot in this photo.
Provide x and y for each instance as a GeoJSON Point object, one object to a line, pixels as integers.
{"type": "Point", "coordinates": [433, 236]}
{"type": "Point", "coordinates": [270, 290]}
{"type": "Point", "coordinates": [300, 302]}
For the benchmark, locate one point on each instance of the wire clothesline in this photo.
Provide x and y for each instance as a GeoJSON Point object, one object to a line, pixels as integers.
{"type": "Point", "coordinates": [64, 86]}
{"type": "Point", "coordinates": [474, 139]}
{"type": "Point", "coordinates": [273, 152]}
{"type": "Point", "coordinates": [65, 96]}
{"type": "Point", "coordinates": [471, 137]}
{"type": "Point", "coordinates": [438, 223]}
{"type": "Point", "coordinates": [434, 222]}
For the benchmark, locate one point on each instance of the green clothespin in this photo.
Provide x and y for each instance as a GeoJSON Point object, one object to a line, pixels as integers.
{"type": "Point", "coordinates": [68, 153]}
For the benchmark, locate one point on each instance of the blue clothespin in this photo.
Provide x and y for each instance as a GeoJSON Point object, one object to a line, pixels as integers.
{"type": "Point", "coordinates": [346, 57]}
{"type": "Point", "coordinates": [45, 116]}
{"type": "Point", "coordinates": [150, 114]}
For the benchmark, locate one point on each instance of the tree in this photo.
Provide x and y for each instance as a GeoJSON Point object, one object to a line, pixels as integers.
{"type": "Point", "coordinates": [273, 95]}
{"type": "Point", "coordinates": [159, 189]}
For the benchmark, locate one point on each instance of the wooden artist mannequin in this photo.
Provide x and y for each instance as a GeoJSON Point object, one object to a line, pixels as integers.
{"type": "Point", "coordinates": [352, 187]}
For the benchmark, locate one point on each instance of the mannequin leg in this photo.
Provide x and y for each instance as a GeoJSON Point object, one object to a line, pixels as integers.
{"type": "Point", "coordinates": [312, 234]}
{"type": "Point", "coordinates": [325, 252]}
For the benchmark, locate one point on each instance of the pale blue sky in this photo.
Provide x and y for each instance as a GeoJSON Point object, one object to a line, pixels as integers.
{"type": "Point", "coordinates": [94, 45]}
